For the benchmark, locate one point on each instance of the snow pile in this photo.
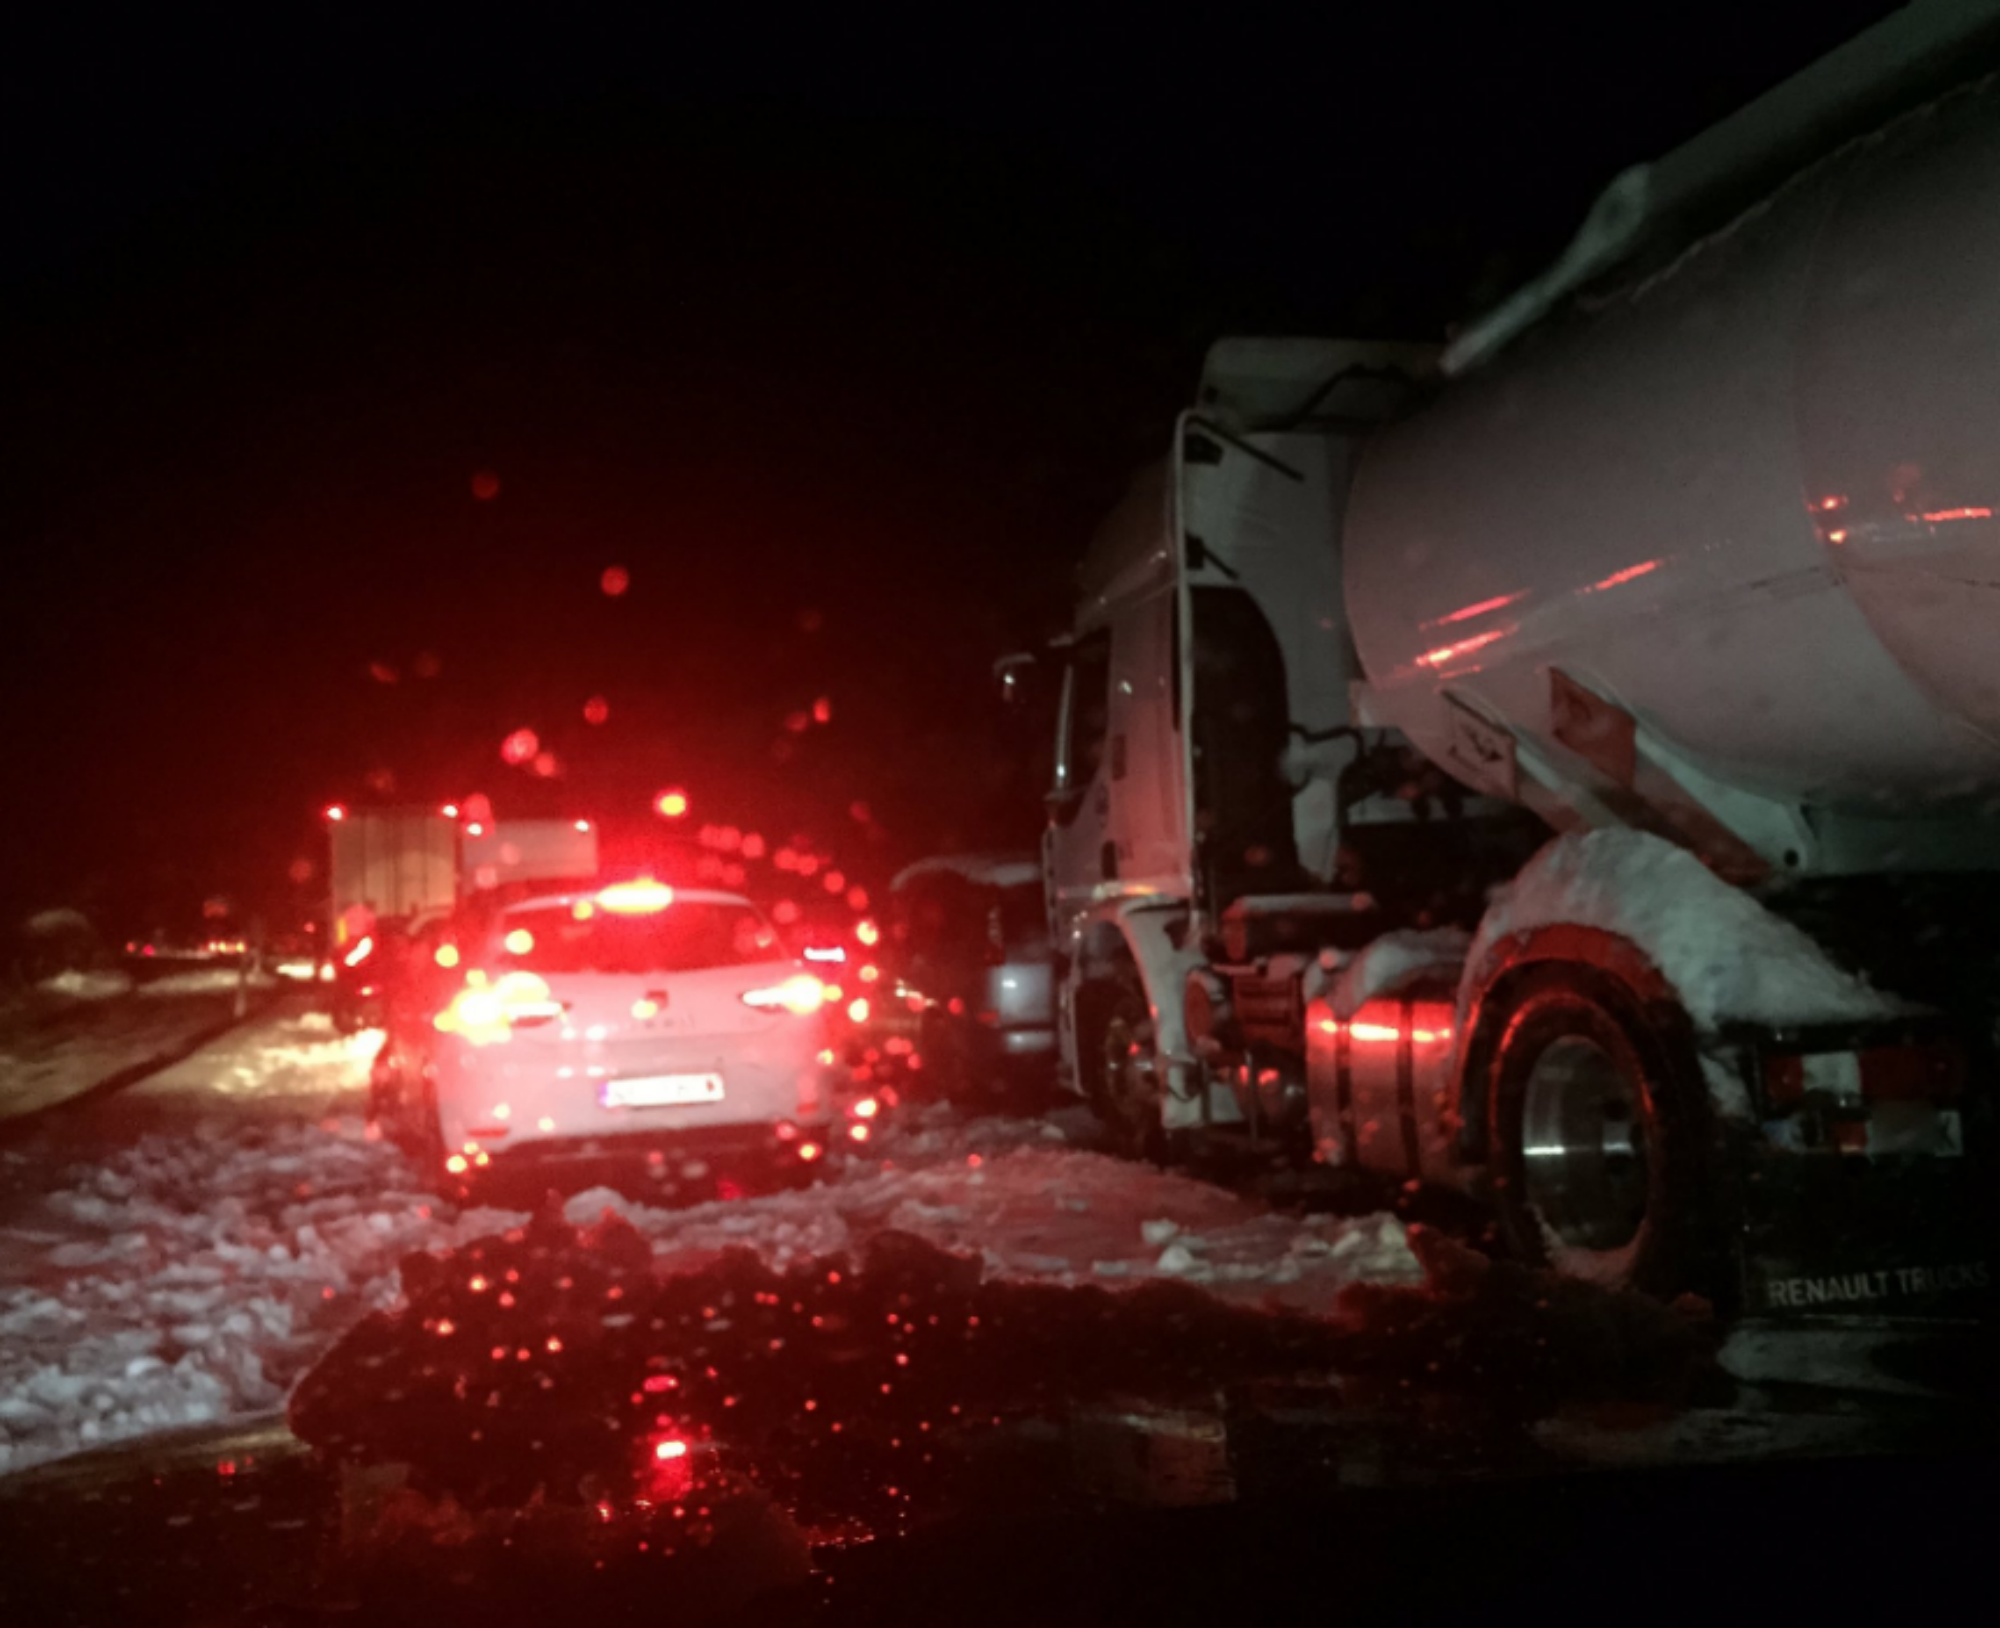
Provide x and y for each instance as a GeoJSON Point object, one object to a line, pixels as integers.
{"type": "Point", "coordinates": [86, 986]}
{"type": "Point", "coordinates": [196, 1271]}
{"type": "Point", "coordinates": [1725, 955]}
{"type": "Point", "coordinates": [1394, 958]}
{"type": "Point", "coordinates": [206, 981]}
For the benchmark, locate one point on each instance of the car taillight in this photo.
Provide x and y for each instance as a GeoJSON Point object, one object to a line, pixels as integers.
{"type": "Point", "coordinates": [484, 1013]}
{"type": "Point", "coordinates": [802, 995]}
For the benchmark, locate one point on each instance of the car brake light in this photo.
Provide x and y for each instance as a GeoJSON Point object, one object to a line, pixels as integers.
{"type": "Point", "coordinates": [802, 995]}
{"type": "Point", "coordinates": [360, 952]}
{"type": "Point", "coordinates": [484, 1012]}
{"type": "Point", "coordinates": [636, 898]}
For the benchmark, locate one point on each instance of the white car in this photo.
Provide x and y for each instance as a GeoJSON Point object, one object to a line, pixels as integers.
{"type": "Point", "coordinates": [631, 1011]}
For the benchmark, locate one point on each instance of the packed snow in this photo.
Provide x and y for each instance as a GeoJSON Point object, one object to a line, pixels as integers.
{"type": "Point", "coordinates": [78, 1030]}
{"type": "Point", "coordinates": [1393, 960]}
{"type": "Point", "coordinates": [1725, 955]}
{"type": "Point", "coordinates": [194, 1270]}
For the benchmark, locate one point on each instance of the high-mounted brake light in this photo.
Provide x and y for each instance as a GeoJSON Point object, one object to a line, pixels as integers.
{"type": "Point", "coordinates": [360, 952]}
{"type": "Point", "coordinates": [802, 995]}
{"type": "Point", "coordinates": [636, 898]}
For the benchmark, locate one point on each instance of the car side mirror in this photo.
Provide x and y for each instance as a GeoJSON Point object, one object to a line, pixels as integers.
{"type": "Point", "coordinates": [1012, 675]}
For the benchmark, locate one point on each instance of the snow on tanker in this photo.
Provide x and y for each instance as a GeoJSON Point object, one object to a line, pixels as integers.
{"type": "Point", "coordinates": [1561, 767]}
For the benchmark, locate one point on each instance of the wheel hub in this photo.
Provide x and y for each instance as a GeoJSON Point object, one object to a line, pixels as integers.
{"type": "Point", "coordinates": [1583, 1145]}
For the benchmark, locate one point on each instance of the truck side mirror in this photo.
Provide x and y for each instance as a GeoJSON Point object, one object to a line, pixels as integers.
{"type": "Point", "coordinates": [1011, 676]}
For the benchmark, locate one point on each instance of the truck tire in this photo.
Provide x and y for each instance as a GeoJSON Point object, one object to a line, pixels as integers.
{"type": "Point", "coordinates": [1121, 1064]}
{"type": "Point", "coordinates": [1598, 1119]}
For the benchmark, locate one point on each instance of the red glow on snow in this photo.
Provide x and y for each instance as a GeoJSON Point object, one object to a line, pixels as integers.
{"type": "Point", "coordinates": [520, 747]}
{"type": "Point", "coordinates": [596, 710]}
{"type": "Point", "coordinates": [486, 486]}
{"type": "Point", "coordinates": [615, 581]}
{"type": "Point", "coordinates": [1936, 516]}
{"type": "Point", "coordinates": [673, 804]}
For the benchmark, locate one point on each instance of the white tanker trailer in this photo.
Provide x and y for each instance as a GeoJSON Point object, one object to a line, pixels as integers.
{"type": "Point", "coordinates": [1563, 767]}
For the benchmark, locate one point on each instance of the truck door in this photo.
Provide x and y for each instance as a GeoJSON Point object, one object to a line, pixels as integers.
{"type": "Point", "coordinates": [1078, 855]}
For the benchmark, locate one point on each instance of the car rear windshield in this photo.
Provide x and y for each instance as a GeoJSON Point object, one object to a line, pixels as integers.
{"type": "Point", "coordinates": [683, 937]}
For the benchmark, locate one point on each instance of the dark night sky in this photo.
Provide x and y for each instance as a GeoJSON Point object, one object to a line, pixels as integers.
{"type": "Point", "coordinates": [863, 320]}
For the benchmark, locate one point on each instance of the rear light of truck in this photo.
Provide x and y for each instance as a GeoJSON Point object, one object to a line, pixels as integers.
{"type": "Point", "coordinates": [802, 995]}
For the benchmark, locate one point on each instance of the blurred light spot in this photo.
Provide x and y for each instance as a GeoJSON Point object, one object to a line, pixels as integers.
{"type": "Point", "coordinates": [519, 942]}
{"type": "Point", "coordinates": [475, 829]}
{"type": "Point", "coordinates": [300, 870]}
{"type": "Point", "coordinates": [835, 882]}
{"type": "Point", "coordinates": [596, 710]}
{"type": "Point", "coordinates": [456, 1164]}
{"type": "Point", "coordinates": [382, 672]}
{"type": "Point", "coordinates": [545, 765]}
{"type": "Point", "coordinates": [672, 803]}
{"type": "Point", "coordinates": [336, 812]}
{"type": "Point", "coordinates": [520, 746]}
{"type": "Point", "coordinates": [583, 825]}
{"type": "Point", "coordinates": [615, 581]}
{"type": "Point", "coordinates": [545, 1124]}
{"type": "Point", "coordinates": [857, 1009]}
{"type": "Point", "coordinates": [798, 722]}
{"type": "Point", "coordinates": [449, 811]}
{"type": "Point", "coordinates": [809, 1151]}
{"type": "Point", "coordinates": [426, 665]}
{"type": "Point", "coordinates": [867, 1108]}
{"type": "Point", "coordinates": [785, 912]}
{"type": "Point", "coordinates": [753, 845]}
{"type": "Point", "coordinates": [671, 1449]}
{"type": "Point", "coordinates": [447, 955]}
{"type": "Point", "coordinates": [486, 486]}
{"type": "Point", "coordinates": [867, 932]}
{"type": "Point", "coordinates": [858, 812]}
{"type": "Point", "coordinates": [823, 710]}
{"type": "Point", "coordinates": [583, 910]}
{"type": "Point", "coordinates": [857, 898]}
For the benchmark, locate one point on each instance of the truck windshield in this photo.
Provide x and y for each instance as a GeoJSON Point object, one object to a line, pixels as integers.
{"type": "Point", "coordinates": [684, 937]}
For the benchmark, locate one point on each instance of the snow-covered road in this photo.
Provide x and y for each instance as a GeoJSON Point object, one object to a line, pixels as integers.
{"type": "Point", "coordinates": [181, 1252]}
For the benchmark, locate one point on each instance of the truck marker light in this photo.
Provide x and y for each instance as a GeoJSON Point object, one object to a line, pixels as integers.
{"type": "Point", "coordinates": [673, 804]}
{"type": "Point", "coordinates": [456, 1164]}
{"type": "Point", "coordinates": [858, 1131]}
{"type": "Point", "coordinates": [808, 1151]}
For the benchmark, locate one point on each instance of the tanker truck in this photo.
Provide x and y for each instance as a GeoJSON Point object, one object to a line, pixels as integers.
{"type": "Point", "coordinates": [1559, 767]}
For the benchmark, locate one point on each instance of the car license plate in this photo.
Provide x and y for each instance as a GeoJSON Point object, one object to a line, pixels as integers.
{"type": "Point", "coordinates": [661, 1090]}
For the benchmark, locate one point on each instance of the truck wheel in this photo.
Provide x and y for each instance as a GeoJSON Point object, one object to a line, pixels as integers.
{"type": "Point", "coordinates": [1125, 1068]}
{"type": "Point", "coordinates": [1596, 1116]}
